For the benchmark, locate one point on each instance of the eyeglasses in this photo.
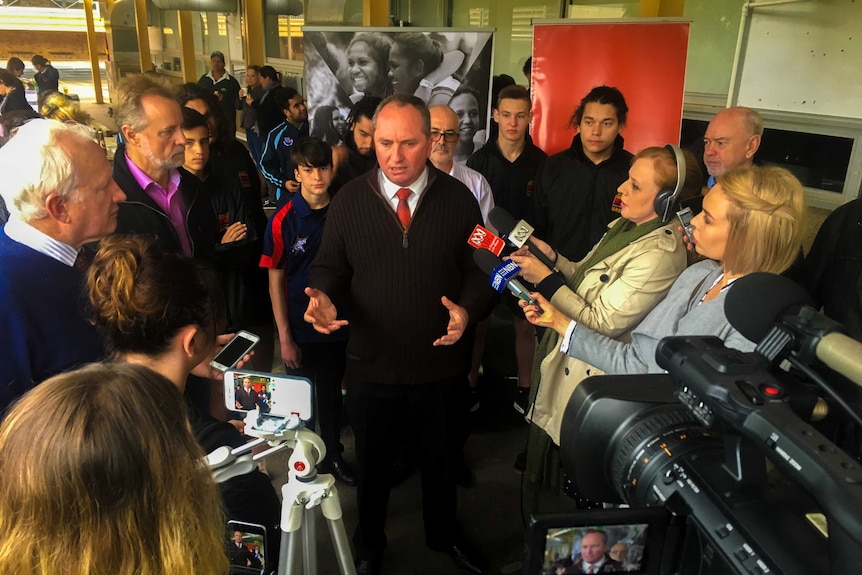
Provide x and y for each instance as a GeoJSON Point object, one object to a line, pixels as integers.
{"type": "Point", "coordinates": [449, 136]}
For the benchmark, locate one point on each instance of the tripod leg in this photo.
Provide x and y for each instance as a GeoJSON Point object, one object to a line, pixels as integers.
{"type": "Point", "coordinates": [331, 508]}
{"type": "Point", "coordinates": [342, 546]}
{"type": "Point", "coordinates": [309, 539]}
{"type": "Point", "coordinates": [291, 525]}
{"type": "Point", "coordinates": [288, 560]}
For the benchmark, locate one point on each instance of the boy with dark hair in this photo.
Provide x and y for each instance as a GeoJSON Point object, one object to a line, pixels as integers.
{"type": "Point", "coordinates": [356, 156]}
{"type": "Point", "coordinates": [292, 239]}
{"type": "Point", "coordinates": [276, 161]}
{"type": "Point", "coordinates": [238, 249]}
{"type": "Point", "coordinates": [573, 196]}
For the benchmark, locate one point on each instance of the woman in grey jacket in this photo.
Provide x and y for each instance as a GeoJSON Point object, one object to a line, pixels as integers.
{"type": "Point", "coordinates": [752, 220]}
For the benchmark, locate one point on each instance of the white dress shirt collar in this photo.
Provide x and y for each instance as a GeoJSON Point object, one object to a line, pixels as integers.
{"type": "Point", "coordinates": [24, 233]}
{"type": "Point", "coordinates": [390, 189]}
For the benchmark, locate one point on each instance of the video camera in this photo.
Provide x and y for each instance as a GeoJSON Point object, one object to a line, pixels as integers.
{"type": "Point", "coordinates": [722, 448]}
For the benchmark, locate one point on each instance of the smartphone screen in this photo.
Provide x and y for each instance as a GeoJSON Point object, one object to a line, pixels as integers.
{"type": "Point", "coordinates": [268, 393]}
{"type": "Point", "coordinates": [246, 547]}
{"type": "Point", "coordinates": [249, 392]}
{"type": "Point", "coordinates": [241, 344]}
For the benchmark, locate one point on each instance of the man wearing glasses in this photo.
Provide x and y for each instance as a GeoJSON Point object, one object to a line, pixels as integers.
{"type": "Point", "coordinates": [444, 140]}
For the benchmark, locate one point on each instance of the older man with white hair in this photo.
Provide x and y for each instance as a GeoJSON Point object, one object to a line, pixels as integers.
{"type": "Point", "coordinates": [60, 195]}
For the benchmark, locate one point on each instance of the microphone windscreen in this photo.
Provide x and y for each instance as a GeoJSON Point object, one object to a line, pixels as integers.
{"type": "Point", "coordinates": [757, 300]}
{"type": "Point", "coordinates": [502, 220]}
{"type": "Point", "coordinates": [486, 260]}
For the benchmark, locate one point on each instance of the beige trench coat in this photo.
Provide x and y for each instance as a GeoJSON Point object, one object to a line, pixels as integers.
{"type": "Point", "coordinates": [614, 296]}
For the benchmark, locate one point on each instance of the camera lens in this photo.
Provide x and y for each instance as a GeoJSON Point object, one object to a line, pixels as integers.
{"type": "Point", "coordinates": [649, 448]}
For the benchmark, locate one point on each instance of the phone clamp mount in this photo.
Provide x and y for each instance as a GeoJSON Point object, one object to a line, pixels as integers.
{"type": "Point", "coordinates": [304, 489]}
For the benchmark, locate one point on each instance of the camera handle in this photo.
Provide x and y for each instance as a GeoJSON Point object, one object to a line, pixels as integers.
{"type": "Point", "coordinates": [304, 490]}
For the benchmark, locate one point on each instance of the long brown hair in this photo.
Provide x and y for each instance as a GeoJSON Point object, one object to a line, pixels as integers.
{"type": "Point", "coordinates": [99, 473]}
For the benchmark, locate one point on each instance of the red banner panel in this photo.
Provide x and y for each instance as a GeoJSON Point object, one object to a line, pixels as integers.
{"type": "Point", "coordinates": [644, 60]}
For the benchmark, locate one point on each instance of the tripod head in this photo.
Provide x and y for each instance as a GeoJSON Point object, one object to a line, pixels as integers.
{"type": "Point", "coordinates": [277, 431]}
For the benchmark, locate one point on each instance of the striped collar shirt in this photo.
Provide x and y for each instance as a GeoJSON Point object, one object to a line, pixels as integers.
{"type": "Point", "coordinates": [25, 234]}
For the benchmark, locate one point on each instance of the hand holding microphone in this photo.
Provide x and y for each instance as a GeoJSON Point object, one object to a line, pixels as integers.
{"type": "Point", "coordinates": [519, 234]}
{"type": "Point", "coordinates": [502, 274]}
{"type": "Point", "coordinates": [544, 314]}
{"type": "Point", "coordinates": [532, 269]}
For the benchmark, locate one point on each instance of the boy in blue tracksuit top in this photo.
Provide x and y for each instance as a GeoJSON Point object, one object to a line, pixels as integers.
{"type": "Point", "coordinates": [291, 241]}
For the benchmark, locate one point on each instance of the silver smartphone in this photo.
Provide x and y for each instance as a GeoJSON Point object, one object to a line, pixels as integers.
{"type": "Point", "coordinates": [685, 216]}
{"type": "Point", "coordinates": [234, 351]}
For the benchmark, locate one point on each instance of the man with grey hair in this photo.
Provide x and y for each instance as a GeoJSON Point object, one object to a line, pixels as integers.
{"type": "Point", "coordinates": [159, 204]}
{"type": "Point", "coordinates": [731, 140]}
{"type": "Point", "coordinates": [60, 194]}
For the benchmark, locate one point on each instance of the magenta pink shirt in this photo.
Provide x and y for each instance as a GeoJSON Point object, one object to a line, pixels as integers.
{"type": "Point", "coordinates": [170, 201]}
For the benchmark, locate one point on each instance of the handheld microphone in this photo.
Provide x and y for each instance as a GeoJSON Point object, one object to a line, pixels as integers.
{"type": "Point", "coordinates": [518, 234]}
{"type": "Point", "coordinates": [777, 313]}
{"type": "Point", "coordinates": [502, 274]}
{"type": "Point", "coordinates": [483, 238]}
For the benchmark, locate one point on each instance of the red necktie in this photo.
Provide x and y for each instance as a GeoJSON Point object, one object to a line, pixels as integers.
{"type": "Point", "coordinates": [403, 210]}
{"type": "Point", "coordinates": [591, 569]}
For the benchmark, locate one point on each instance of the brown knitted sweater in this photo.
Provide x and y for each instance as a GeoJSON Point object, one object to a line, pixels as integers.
{"type": "Point", "coordinates": [395, 280]}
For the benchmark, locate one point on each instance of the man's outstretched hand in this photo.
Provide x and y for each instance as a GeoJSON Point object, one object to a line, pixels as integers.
{"type": "Point", "coordinates": [321, 312]}
{"type": "Point", "coordinates": [458, 318]}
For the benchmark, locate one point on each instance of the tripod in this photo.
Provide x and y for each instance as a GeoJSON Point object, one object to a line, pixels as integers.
{"type": "Point", "coordinates": [304, 489]}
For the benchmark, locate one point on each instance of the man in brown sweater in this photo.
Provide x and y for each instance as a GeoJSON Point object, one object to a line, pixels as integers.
{"type": "Point", "coordinates": [396, 242]}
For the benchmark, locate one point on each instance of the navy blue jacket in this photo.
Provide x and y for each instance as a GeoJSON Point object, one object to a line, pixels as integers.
{"type": "Point", "coordinates": [276, 162]}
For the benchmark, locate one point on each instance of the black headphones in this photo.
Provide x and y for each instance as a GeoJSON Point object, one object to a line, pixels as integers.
{"type": "Point", "coordinates": [665, 200]}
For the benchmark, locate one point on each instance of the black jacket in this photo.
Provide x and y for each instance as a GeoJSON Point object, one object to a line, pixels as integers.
{"type": "Point", "coordinates": [140, 215]}
{"type": "Point", "coordinates": [572, 197]}
{"type": "Point", "coordinates": [268, 113]}
{"type": "Point", "coordinates": [234, 195]}
{"type": "Point", "coordinates": [15, 100]}
{"type": "Point", "coordinates": [356, 165]}
{"type": "Point", "coordinates": [832, 272]}
{"type": "Point", "coordinates": [511, 182]}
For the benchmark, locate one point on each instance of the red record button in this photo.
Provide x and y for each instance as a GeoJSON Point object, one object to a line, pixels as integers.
{"type": "Point", "coordinates": [771, 390]}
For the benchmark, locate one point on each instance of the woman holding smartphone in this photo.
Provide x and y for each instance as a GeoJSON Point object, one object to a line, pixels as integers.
{"type": "Point", "coordinates": [751, 221]}
{"type": "Point", "coordinates": [147, 317]}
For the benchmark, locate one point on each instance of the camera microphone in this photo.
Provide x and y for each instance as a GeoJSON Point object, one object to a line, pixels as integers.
{"type": "Point", "coordinates": [518, 234]}
{"type": "Point", "coordinates": [777, 313]}
{"type": "Point", "coordinates": [502, 274]}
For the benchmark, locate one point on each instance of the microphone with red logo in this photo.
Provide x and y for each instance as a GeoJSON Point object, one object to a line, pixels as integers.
{"type": "Point", "coordinates": [518, 234]}
{"type": "Point", "coordinates": [482, 238]}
